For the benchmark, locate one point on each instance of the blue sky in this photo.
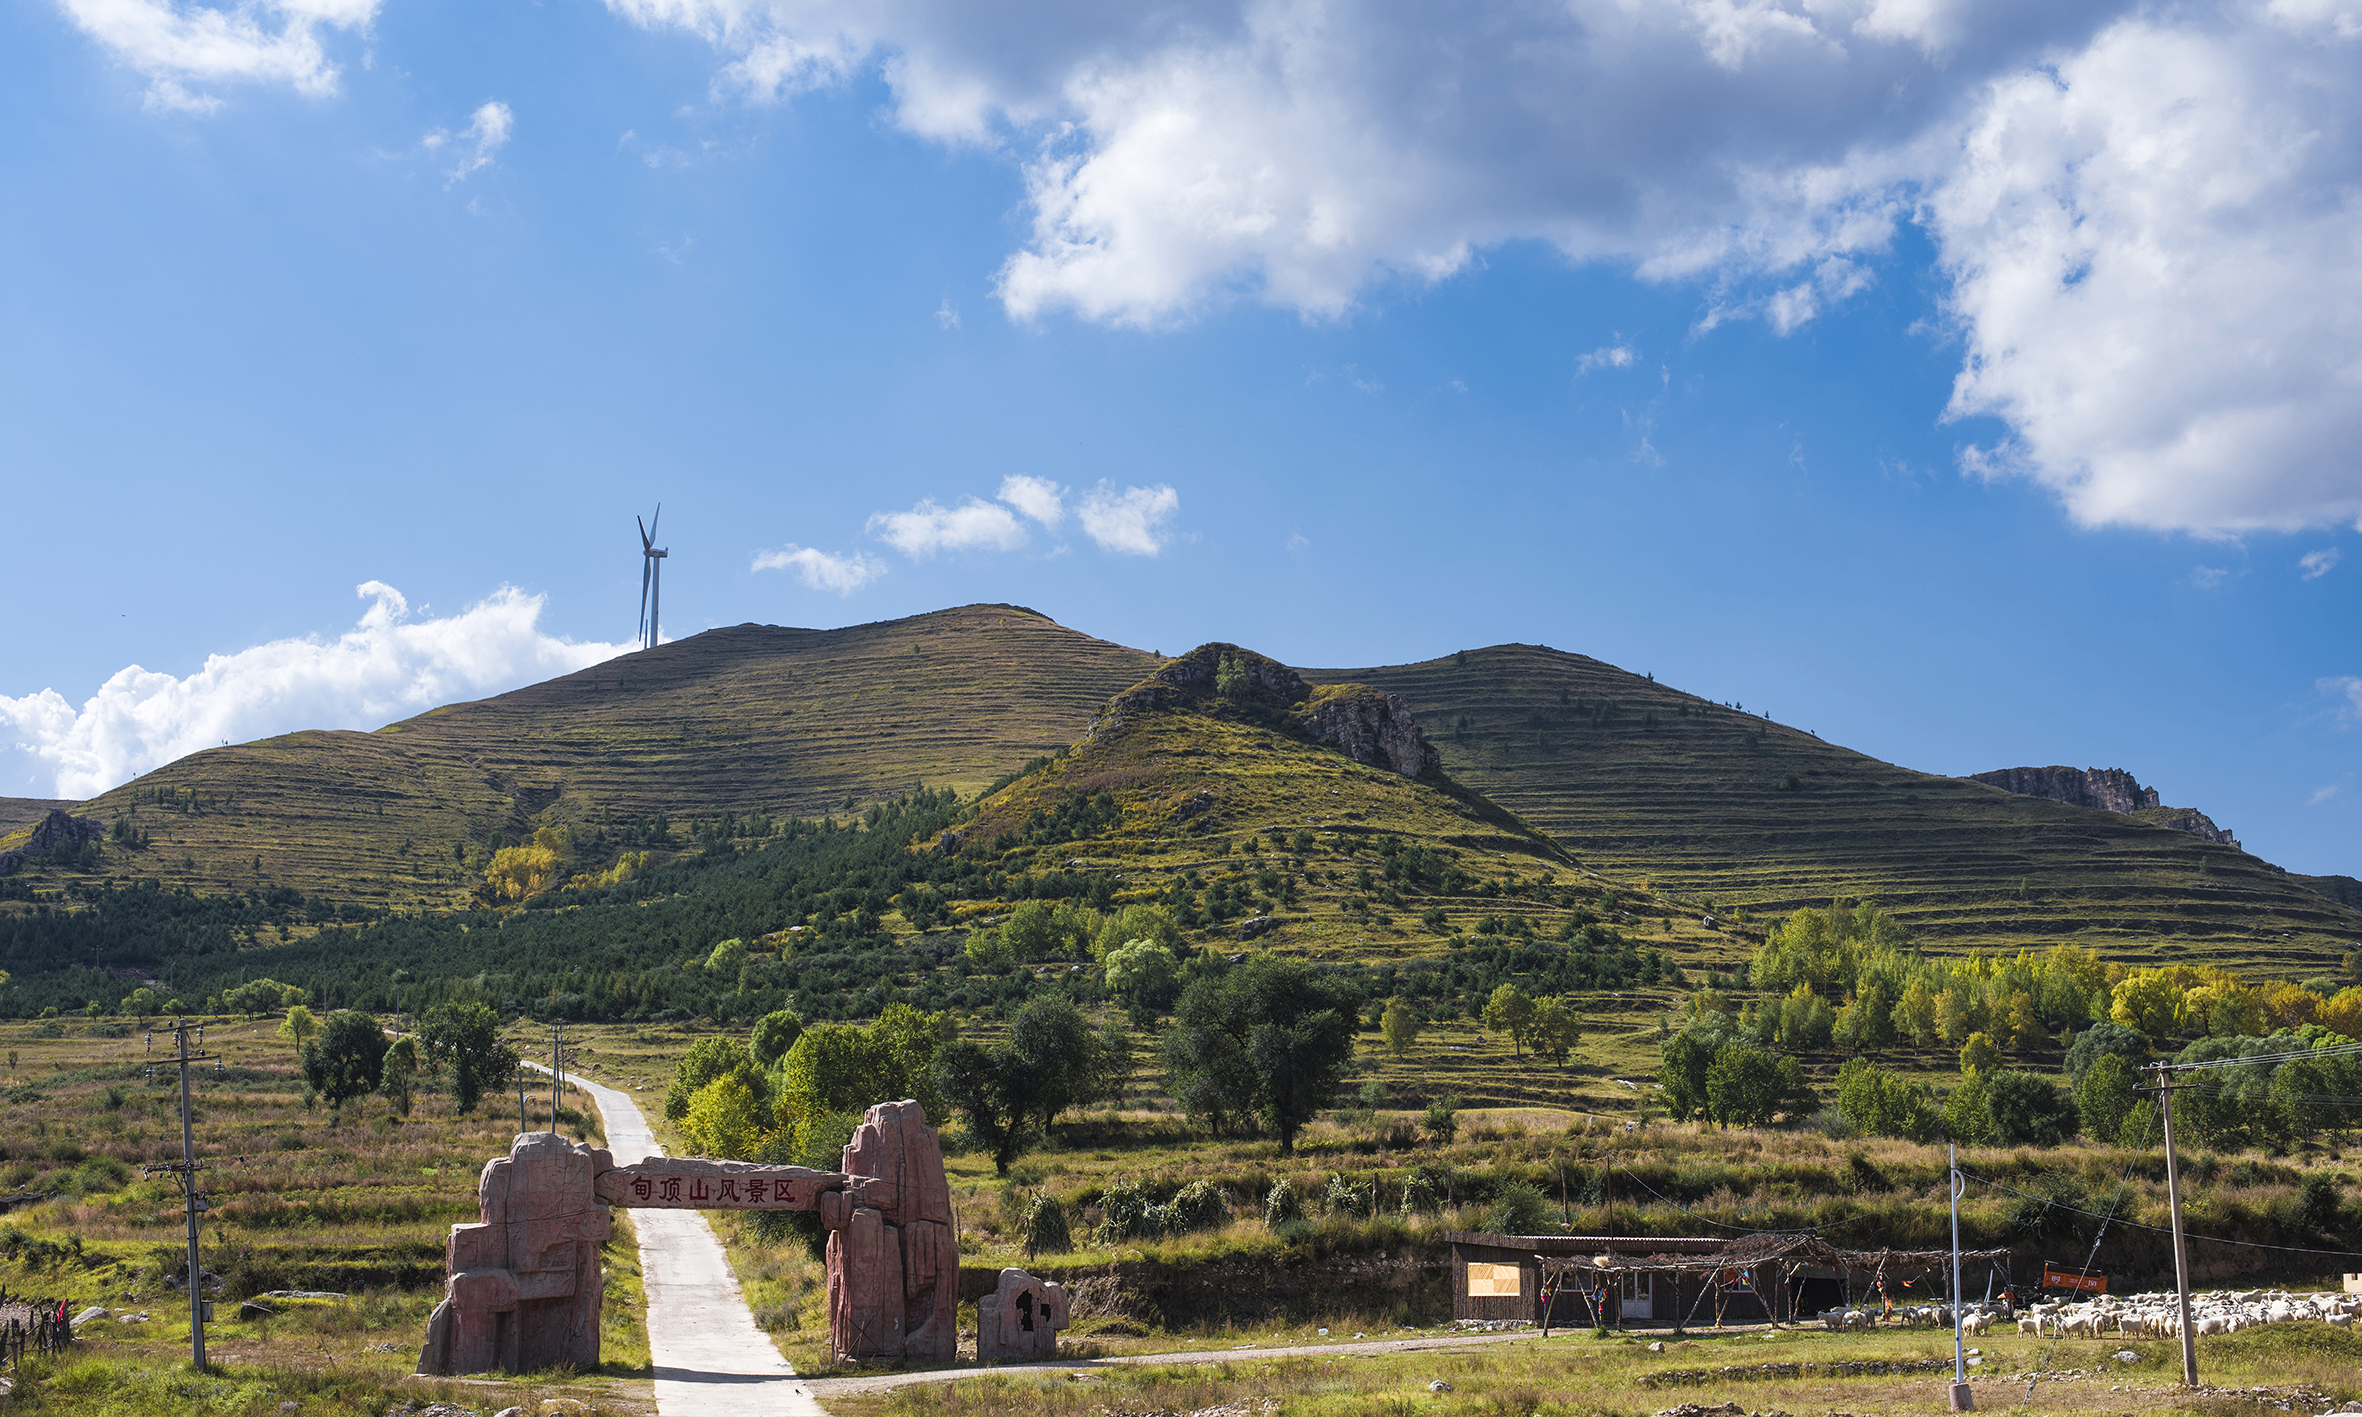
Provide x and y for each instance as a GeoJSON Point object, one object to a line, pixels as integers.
{"type": "Point", "coordinates": [1971, 383]}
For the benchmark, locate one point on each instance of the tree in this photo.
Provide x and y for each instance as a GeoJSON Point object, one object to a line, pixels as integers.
{"type": "Point", "coordinates": [2104, 1096]}
{"type": "Point", "coordinates": [521, 872]}
{"type": "Point", "coordinates": [399, 1073]}
{"type": "Point", "coordinates": [1138, 922]}
{"type": "Point", "coordinates": [726, 959]}
{"type": "Point", "coordinates": [2102, 1039]}
{"type": "Point", "coordinates": [832, 1067]}
{"type": "Point", "coordinates": [466, 1039]}
{"type": "Point", "coordinates": [1511, 1011]}
{"type": "Point", "coordinates": [1271, 1030]}
{"type": "Point", "coordinates": [1054, 1039]}
{"type": "Point", "coordinates": [993, 1089]}
{"type": "Point", "coordinates": [347, 1059]}
{"type": "Point", "coordinates": [1978, 1055]}
{"type": "Point", "coordinates": [988, 951]}
{"type": "Point", "coordinates": [1144, 974]}
{"type": "Point", "coordinates": [728, 1118]}
{"type": "Point", "coordinates": [1743, 1086]}
{"type": "Point", "coordinates": [1915, 1013]}
{"type": "Point", "coordinates": [299, 1026]}
{"type": "Point", "coordinates": [2028, 1110]}
{"type": "Point", "coordinates": [774, 1033]}
{"type": "Point", "coordinates": [1555, 1030]}
{"type": "Point", "coordinates": [1399, 1026]}
{"type": "Point", "coordinates": [1883, 1104]}
{"type": "Point", "coordinates": [907, 1040]}
{"type": "Point", "coordinates": [2149, 1000]}
{"type": "Point", "coordinates": [1687, 1056]}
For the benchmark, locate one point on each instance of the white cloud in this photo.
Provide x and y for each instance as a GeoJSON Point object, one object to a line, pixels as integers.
{"type": "Point", "coordinates": [1037, 497]}
{"type": "Point", "coordinates": [2210, 577]}
{"type": "Point", "coordinates": [947, 315]}
{"type": "Point", "coordinates": [1607, 356]}
{"type": "Point", "coordinates": [927, 528]}
{"type": "Point", "coordinates": [475, 145]}
{"type": "Point", "coordinates": [2349, 688]}
{"type": "Point", "coordinates": [388, 666]}
{"type": "Point", "coordinates": [2144, 214]}
{"type": "Point", "coordinates": [2313, 565]}
{"type": "Point", "coordinates": [1130, 521]}
{"type": "Point", "coordinates": [2321, 795]}
{"type": "Point", "coordinates": [176, 44]}
{"type": "Point", "coordinates": [822, 570]}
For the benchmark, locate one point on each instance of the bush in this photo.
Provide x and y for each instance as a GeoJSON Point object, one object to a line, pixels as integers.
{"type": "Point", "coordinates": [1423, 1190]}
{"type": "Point", "coordinates": [1347, 1196]}
{"type": "Point", "coordinates": [1126, 1213]}
{"type": "Point", "coordinates": [1199, 1206]}
{"type": "Point", "coordinates": [1284, 1206]}
{"type": "Point", "coordinates": [1518, 1208]}
{"type": "Point", "coordinates": [2028, 1110]}
{"type": "Point", "coordinates": [1046, 1231]}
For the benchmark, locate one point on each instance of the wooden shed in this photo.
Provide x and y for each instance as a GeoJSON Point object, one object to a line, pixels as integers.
{"type": "Point", "coordinates": [1502, 1278]}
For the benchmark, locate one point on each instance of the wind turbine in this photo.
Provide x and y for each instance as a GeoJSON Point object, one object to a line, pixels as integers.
{"type": "Point", "coordinates": [651, 577]}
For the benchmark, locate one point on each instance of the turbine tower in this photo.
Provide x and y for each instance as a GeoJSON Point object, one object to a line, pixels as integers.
{"type": "Point", "coordinates": [651, 577]}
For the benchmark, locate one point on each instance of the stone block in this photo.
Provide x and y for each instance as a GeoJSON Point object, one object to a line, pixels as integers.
{"type": "Point", "coordinates": [1018, 1321]}
{"type": "Point", "coordinates": [524, 1290]}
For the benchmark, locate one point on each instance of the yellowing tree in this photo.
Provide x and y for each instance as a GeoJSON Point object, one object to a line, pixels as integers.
{"type": "Point", "coordinates": [2150, 1000]}
{"type": "Point", "coordinates": [2342, 1014]}
{"type": "Point", "coordinates": [518, 872]}
{"type": "Point", "coordinates": [726, 1119]}
{"type": "Point", "coordinates": [2224, 1010]}
{"type": "Point", "coordinates": [2291, 1005]}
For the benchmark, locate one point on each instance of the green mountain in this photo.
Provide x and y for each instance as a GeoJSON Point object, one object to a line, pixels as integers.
{"type": "Point", "coordinates": [1735, 812]}
{"type": "Point", "coordinates": [746, 720]}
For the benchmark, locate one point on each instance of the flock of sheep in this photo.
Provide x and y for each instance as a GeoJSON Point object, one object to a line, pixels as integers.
{"type": "Point", "coordinates": [2135, 1316]}
{"type": "Point", "coordinates": [2157, 1316]}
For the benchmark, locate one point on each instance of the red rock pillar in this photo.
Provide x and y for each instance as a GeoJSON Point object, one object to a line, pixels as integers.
{"type": "Point", "coordinates": [525, 1287]}
{"type": "Point", "coordinates": [893, 1252]}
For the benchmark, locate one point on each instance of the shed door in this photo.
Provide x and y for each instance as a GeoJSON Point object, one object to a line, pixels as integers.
{"type": "Point", "coordinates": [1639, 1296]}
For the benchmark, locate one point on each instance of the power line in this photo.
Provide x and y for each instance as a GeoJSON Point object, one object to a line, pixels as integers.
{"type": "Point", "coordinates": [2155, 1229]}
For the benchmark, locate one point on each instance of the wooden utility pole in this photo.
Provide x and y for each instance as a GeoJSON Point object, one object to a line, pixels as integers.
{"type": "Point", "coordinates": [2181, 1247]}
{"type": "Point", "coordinates": [186, 1173]}
{"type": "Point", "coordinates": [557, 1031]}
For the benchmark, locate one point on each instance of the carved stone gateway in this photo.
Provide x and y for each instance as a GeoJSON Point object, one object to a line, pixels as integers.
{"type": "Point", "coordinates": [524, 1286]}
{"type": "Point", "coordinates": [1018, 1321]}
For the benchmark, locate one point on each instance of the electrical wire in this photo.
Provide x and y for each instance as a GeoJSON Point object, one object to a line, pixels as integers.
{"type": "Point", "coordinates": [2123, 1191]}
{"type": "Point", "coordinates": [2338, 1050]}
{"type": "Point", "coordinates": [2154, 1229]}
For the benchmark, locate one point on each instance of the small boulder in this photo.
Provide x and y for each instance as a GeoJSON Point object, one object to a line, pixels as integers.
{"type": "Point", "coordinates": [1439, 1385]}
{"type": "Point", "coordinates": [93, 1312]}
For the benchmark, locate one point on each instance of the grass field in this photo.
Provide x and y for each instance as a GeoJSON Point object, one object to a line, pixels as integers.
{"type": "Point", "coordinates": [301, 1200]}
{"type": "Point", "coordinates": [2263, 1372]}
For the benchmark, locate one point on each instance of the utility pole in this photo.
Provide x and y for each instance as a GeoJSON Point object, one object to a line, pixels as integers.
{"type": "Point", "coordinates": [1964, 1399]}
{"type": "Point", "coordinates": [557, 1031]}
{"type": "Point", "coordinates": [2181, 1247]}
{"type": "Point", "coordinates": [195, 1200]}
{"type": "Point", "coordinates": [520, 1097]}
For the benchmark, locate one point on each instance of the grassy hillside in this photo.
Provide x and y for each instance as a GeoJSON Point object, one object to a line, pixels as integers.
{"type": "Point", "coordinates": [1710, 803]}
{"type": "Point", "coordinates": [18, 812]}
{"type": "Point", "coordinates": [748, 719]}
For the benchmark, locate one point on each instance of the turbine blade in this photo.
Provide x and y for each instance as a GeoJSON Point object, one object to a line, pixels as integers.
{"type": "Point", "coordinates": [652, 521]}
{"type": "Point", "coordinates": [647, 567]}
{"type": "Point", "coordinates": [643, 536]}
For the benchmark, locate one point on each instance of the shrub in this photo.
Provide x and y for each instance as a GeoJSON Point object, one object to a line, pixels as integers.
{"type": "Point", "coordinates": [1347, 1196]}
{"type": "Point", "coordinates": [1518, 1208]}
{"type": "Point", "coordinates": [1284, 1206]}
{"type": "Point", "coordinates": [1198, 1206]}
{"type": "Point", "coordinates": [1046, 1231]}
{"type": "Point", "coordinates": [1126, 1213]}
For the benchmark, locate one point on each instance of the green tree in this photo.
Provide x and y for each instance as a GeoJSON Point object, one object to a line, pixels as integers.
{"type": "Point", "coordinates": [988, 951]}
{"type": "Point", "coordinates": [1399, 1025]}
{"type": "Point", "coordinates": [2104, 1038]}
{"type": "Point", "coordinates": [1687, 1056]}
{"type": "Point", "coordinates": [1057, 1042]}
{"type": "Point", "coordinates": [466, 1039]}
{"type": "Point", "coordinates": [2104, 1097]}
{"type": "Point", "coordinates": [993, 1090]}
{"type": "Point", "coordinates": [1968, 1112]}
{"type": "Point", "coordinates": [1915, 1013]}
{"type": "Point", "coordinates": [727, 959]}
{"type": "Point", "coordinates": [832, 1067]}
{"type": "Point", "coordinates": [1144, 974]}
{"type": "Point", "coordinates": [707, 1059]}
{"type": "Point", "coordinates": [1510, 1011]}
{"type": "Point", "coordinates": [347, 1059]}
{"type": "Point", "coordinates": [1878, 1102]}
{"type": "Point", "coordinates": [774, 1033]}
{"type": "Point", "coordinates": [1138, 922]}
{"type": "Point", "coordinates": [727, 1118]}
{"type": "Point", "coordinates": [1743, 1086]}
{"type": "Point", "coordinates": [1978, 1055]}
{"type": "Point", "coordinates": [1555, 1030]}
{"type": "Point", "coordinates": [908, 1040]}
{"type": "Point", "coordinates": [299, 1026]}
{"type": "Point", "coordinates": [1277, 1023]}
{"type": "Point", "coordinates": [399, 1073]}
{"type": "Point", "coordinates": [2028, 1110]}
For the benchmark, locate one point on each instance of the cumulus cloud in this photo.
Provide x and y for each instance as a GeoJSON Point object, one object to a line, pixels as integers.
{"type": "Point", "coordinates": [2144, 215]}
{"type": "Point", "coordinates": [475, 145]}
{"type": "Point", "coordinates": [2321, 795]}
{"type": "Point", "coordinates": [927, 528]}
{"type": "Point", "coordinates": [1131, 520]}
{"type": "Point", "coordinates": [1037, 497]}
{"type": "Point", "coordinates": [2313, 565]}
{"type": "Point", "coordinates": [822, 570]}
{"type": "Point", "coordinates": [386, 667]}
{"type": "Point", "coordinates": [177, 45]}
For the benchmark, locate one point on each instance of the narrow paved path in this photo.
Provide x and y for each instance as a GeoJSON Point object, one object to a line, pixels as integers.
{"type": "Point", "coordinates": [710, 1359]}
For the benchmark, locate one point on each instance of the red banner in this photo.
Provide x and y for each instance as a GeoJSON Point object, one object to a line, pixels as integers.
{"type": "Point", "coordinates": [2053, 1278]}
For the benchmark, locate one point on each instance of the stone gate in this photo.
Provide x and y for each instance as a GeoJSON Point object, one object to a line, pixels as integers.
{"type": "Point", "coordinates": [525, 1286]}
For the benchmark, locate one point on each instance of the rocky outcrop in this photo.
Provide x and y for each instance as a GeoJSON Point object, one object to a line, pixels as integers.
{"type": "Point", "coordinates": [55, 832]}
{"type": "Point", "coordinates": [2106, 790]}
{"type": "Point", "coordinates": [1210, 671]}
{"type": "Point", "coordinates": [1373, 729]}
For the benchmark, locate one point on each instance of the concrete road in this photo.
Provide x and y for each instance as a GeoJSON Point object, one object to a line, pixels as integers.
{"type": "Point", "coordinates": [711, 1360]}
